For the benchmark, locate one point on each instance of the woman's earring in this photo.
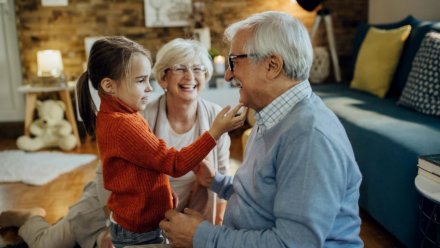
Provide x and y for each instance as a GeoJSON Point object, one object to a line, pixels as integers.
{"type": "Point", "coordinates": [165, 90]}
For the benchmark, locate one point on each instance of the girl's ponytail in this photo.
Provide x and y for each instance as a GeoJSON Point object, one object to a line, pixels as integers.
{"type": "Point", "coordinates": [87, 108]}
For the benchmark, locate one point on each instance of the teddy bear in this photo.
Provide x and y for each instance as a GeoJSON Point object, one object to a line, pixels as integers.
{"type": "Point", "coordinates": [49, 130]}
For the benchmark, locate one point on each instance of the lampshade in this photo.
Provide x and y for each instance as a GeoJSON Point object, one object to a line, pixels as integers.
{"type": "Point", "coordinates": [309, 5]}
{"type": "Point", "coordinates": [49, 63]}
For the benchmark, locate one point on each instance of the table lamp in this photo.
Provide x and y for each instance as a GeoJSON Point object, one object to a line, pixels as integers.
{"type": "Point", "coordinates": [50, 68]}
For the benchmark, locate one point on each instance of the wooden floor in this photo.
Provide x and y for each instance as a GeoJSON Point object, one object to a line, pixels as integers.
{"type": "Point", "coordinates": [56, 196]}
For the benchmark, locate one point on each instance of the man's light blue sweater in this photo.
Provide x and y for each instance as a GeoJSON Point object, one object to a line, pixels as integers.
{"type": "Point", "coordinates": [298, 187]}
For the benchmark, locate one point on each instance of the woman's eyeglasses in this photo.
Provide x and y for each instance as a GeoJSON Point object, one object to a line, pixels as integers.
{"type": "Point", "coordinates": [232, 57]}
{"type": "Point", "coordinates": [180, 70]}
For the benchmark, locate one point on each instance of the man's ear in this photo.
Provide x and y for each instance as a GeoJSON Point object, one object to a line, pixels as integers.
{"type": "Point", "coordinates": [108, 85]}
{"type": "Point", "coordinates": [274, 66]}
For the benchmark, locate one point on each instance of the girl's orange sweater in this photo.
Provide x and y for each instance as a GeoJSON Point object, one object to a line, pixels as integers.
{"type": "Point", "coordinates": [135, 165]}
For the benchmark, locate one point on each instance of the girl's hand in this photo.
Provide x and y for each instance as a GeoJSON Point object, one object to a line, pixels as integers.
{"type": "Point", "coordinates": [228, 120]}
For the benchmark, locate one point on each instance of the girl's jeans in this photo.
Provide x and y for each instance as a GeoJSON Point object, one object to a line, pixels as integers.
{"type": "Point", "coordinates": [122, 237]}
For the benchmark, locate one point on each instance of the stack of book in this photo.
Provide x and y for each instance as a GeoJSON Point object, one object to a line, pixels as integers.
{"type": "Point", "coordinates": [429, 167]}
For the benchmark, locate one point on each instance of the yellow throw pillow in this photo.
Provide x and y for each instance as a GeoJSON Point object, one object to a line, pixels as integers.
{"type": "Point", "coordinates": [378, 58]}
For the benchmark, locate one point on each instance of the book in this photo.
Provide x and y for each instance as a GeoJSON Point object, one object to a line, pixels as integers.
{"type": "Point", "coordinates": [429, 175]}
{"type": "Point", "coordinates": [430, 163]}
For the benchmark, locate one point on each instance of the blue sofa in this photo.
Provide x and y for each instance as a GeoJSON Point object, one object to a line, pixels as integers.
{"type": "Point", "coordinates": [387, 139]}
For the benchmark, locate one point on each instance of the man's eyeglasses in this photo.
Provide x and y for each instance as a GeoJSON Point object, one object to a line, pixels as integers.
{"type": "Point", "coordinates": [231, 59]}
{"type": "Point", "coordinates": [180, 70]}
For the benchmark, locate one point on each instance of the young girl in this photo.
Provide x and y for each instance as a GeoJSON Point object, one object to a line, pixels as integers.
{"type": "Point", "coordinates": [134, 160]}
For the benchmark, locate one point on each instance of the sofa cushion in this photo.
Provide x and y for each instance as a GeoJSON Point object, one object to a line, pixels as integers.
{"type": "Point", "coordinates": [378, 58]}
{"type": "Point", "coordinates": [422, 91]}
{"type": "Point", "coordinates": [412, 44]}
{"type": "Point", "coordinates": [363, 28]}
{"type": "Point", "coordinates": [409, 52]}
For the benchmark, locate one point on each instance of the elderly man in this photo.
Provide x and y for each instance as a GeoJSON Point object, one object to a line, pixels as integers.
{"type": "Point", "coordinates": [299, 183]}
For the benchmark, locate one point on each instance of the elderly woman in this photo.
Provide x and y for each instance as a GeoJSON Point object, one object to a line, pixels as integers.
{"type": "Point", "coordinates": [179, 116]}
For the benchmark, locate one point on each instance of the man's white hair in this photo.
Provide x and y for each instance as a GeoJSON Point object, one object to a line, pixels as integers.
{"type": "Point", "coordinates": [277, 33]}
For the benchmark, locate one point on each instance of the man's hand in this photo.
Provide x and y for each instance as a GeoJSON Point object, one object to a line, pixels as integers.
{"type": "Point", "coordinates": [205, 173]}
{"type": "Point", "coordinates": [106, 240]}
{"type": "Point", "coordinates": [180, 228]}
{"type": "Point", "coordinates": [221, 207]}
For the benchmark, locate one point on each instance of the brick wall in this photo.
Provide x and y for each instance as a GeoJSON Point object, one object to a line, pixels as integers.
{"type": "Point", "coordinates": [64, 28]}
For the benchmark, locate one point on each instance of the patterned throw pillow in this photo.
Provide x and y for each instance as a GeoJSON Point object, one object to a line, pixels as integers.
{"type": "Point", "coordinates": [422, 90]}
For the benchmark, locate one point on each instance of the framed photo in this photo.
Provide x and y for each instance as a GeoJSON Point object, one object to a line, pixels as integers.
{"type": "Point", "coordinates": [50, 3]}
{"type": "Point", "coordinates": [203, 35]}
{"type": "Point", "coordinates": [167, 13]}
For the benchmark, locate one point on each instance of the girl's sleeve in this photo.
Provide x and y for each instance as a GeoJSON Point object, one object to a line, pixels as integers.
{"type": "Point", "coordinates": [143, 148]}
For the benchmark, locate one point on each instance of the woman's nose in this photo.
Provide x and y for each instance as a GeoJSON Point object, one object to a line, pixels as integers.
{"type": "Point", "coordinates": [190, 74]}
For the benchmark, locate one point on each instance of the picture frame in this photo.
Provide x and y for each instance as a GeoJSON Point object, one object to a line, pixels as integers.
{"type": "Point", "coordinates": [52, 3]}
{"type": "Point", "coordinates": [88, 43]}
{"type": "Point", "coordinates": [167, 13]}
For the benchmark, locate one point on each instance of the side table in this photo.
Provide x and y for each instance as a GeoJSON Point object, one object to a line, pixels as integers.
{"type": "Point", "coordinates": [429, 211]}
{"type": "Point", "coordinates": [63, 92]}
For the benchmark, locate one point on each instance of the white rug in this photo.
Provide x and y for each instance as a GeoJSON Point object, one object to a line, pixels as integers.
{"type": "Point", "coordinates": [38, 168]}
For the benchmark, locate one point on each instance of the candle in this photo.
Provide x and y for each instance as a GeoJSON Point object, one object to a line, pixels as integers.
{"type": "Point", "coordinates": [219, 65]}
